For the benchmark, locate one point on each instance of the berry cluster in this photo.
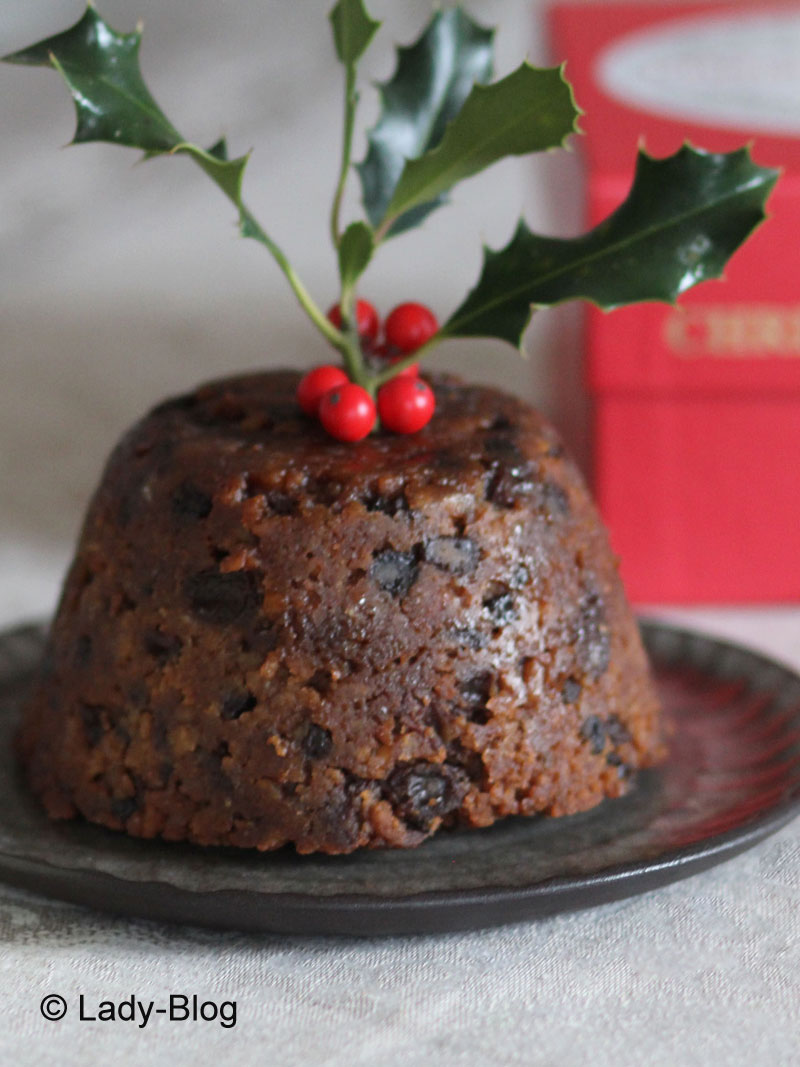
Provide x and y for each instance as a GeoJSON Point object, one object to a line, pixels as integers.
{"type": "Point", "coordinates": [404, 404]}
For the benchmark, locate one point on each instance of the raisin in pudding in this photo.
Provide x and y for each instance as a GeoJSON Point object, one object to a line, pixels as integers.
{"type": "Point", "coordinates": [269, 637]}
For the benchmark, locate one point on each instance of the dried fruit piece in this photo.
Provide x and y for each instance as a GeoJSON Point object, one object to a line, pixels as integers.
{"type": "Point", "coordinates": [593, 730]}
{"type": "Point", "coordinates": [456, 555]}
{"type": "Point", "coordinates": [318, 742]}
{"type": "Point", "coordinates": [592, 637]}
{"type": "Point", "coordinates": [189, 501]}
{"type": "Point", "coordinates": [236, 704]}
{"type": "Point", "coordinates": [395, 572]}
{"type": "Point", "coordinates": [221, 598]}
{"type": "Point", "coordinates": [423, 792]}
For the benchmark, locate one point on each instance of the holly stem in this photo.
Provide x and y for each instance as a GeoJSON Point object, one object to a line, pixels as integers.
{"type": "Point", "coordinates": [251, 228]}
{"type": "Point", "coordinates": [350, 104]}
{"type": "Point", "coordinates": [352, 354]}
{"type": "Point", "coordinates": [345, 341]}
{"type": "Point", "coordinates": [351, 342]}
{"type": "Point", "coordinates": [354, 362]}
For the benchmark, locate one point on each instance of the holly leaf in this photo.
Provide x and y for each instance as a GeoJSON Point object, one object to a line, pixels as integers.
{"type": "Point", "coordinates": [355, 252]}
{"type": "Point", "coordinates": [531, 110]}
{"type": "Point", "coordinates": [683, 218]}
{"type": "Point", "coordinates": [112, 102]}
{"type": "Point", "coordinates": [219, 150]}
{"type": "Point", "coordinates": [433, 78]}
{"type": "Point", "coordinates": [353, 30]}
{"type": "Point", "coordinates": [101, 68]}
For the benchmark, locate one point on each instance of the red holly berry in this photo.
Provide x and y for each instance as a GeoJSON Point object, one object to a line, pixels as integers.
{"type": "Point", "coordinates": [409, 326]}
{"type": "Point", "coordinates": [314, 385]}
{"type": "Point", "coordinates": [405, 404]}
{"type": "Point", "coordinates": [366, 319]}
{"type": "Point", "coordinates": [347, 412]}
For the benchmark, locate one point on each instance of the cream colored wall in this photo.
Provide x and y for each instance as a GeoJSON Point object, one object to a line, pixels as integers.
{"type": "Point", "coordinates": [119, 283]}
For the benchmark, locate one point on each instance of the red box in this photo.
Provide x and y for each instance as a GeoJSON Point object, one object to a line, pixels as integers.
{"type": "Point", "coordinates": [696, 439]}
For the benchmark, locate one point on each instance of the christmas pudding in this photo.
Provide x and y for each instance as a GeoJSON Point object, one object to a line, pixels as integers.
{"type": "Point", "coordinates": [268, 637]}
{"type": "Point", "coordinates": [350, 608]}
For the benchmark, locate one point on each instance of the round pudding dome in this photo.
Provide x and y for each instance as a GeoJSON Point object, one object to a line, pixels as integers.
{"type": "Point", "coordinates": [268, 637]}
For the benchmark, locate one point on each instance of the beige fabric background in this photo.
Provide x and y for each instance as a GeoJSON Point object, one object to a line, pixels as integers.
{"type": "Point", "coordinates": [119, 284]}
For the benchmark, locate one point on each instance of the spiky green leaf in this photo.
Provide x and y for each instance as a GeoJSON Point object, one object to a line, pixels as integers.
{"type": "Point", "coordinates": [355, 252]}
{"type": "Point", "coordinates": [433, 78]}
{"type": "Point", "coordinates": [683, 218]}
{"type": "Point", "coordinates": [112, 102]}
{"type": "Point", "coordinates": [353, 30]}
{"type": "Point", "coordinates": [531, 110]}
{"type": "Point", "coordinates": [101, 68]}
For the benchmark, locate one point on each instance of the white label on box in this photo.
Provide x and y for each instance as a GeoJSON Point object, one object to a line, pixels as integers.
{"type": "Point", "coordinates": [732, 70]}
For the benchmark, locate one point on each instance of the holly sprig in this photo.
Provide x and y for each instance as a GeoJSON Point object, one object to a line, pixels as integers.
{"type": "Point", "coordinates": [442, 120]}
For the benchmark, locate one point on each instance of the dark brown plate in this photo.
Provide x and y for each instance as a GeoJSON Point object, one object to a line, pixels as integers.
{"type": "Point", "coordinates": [732, 778]}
